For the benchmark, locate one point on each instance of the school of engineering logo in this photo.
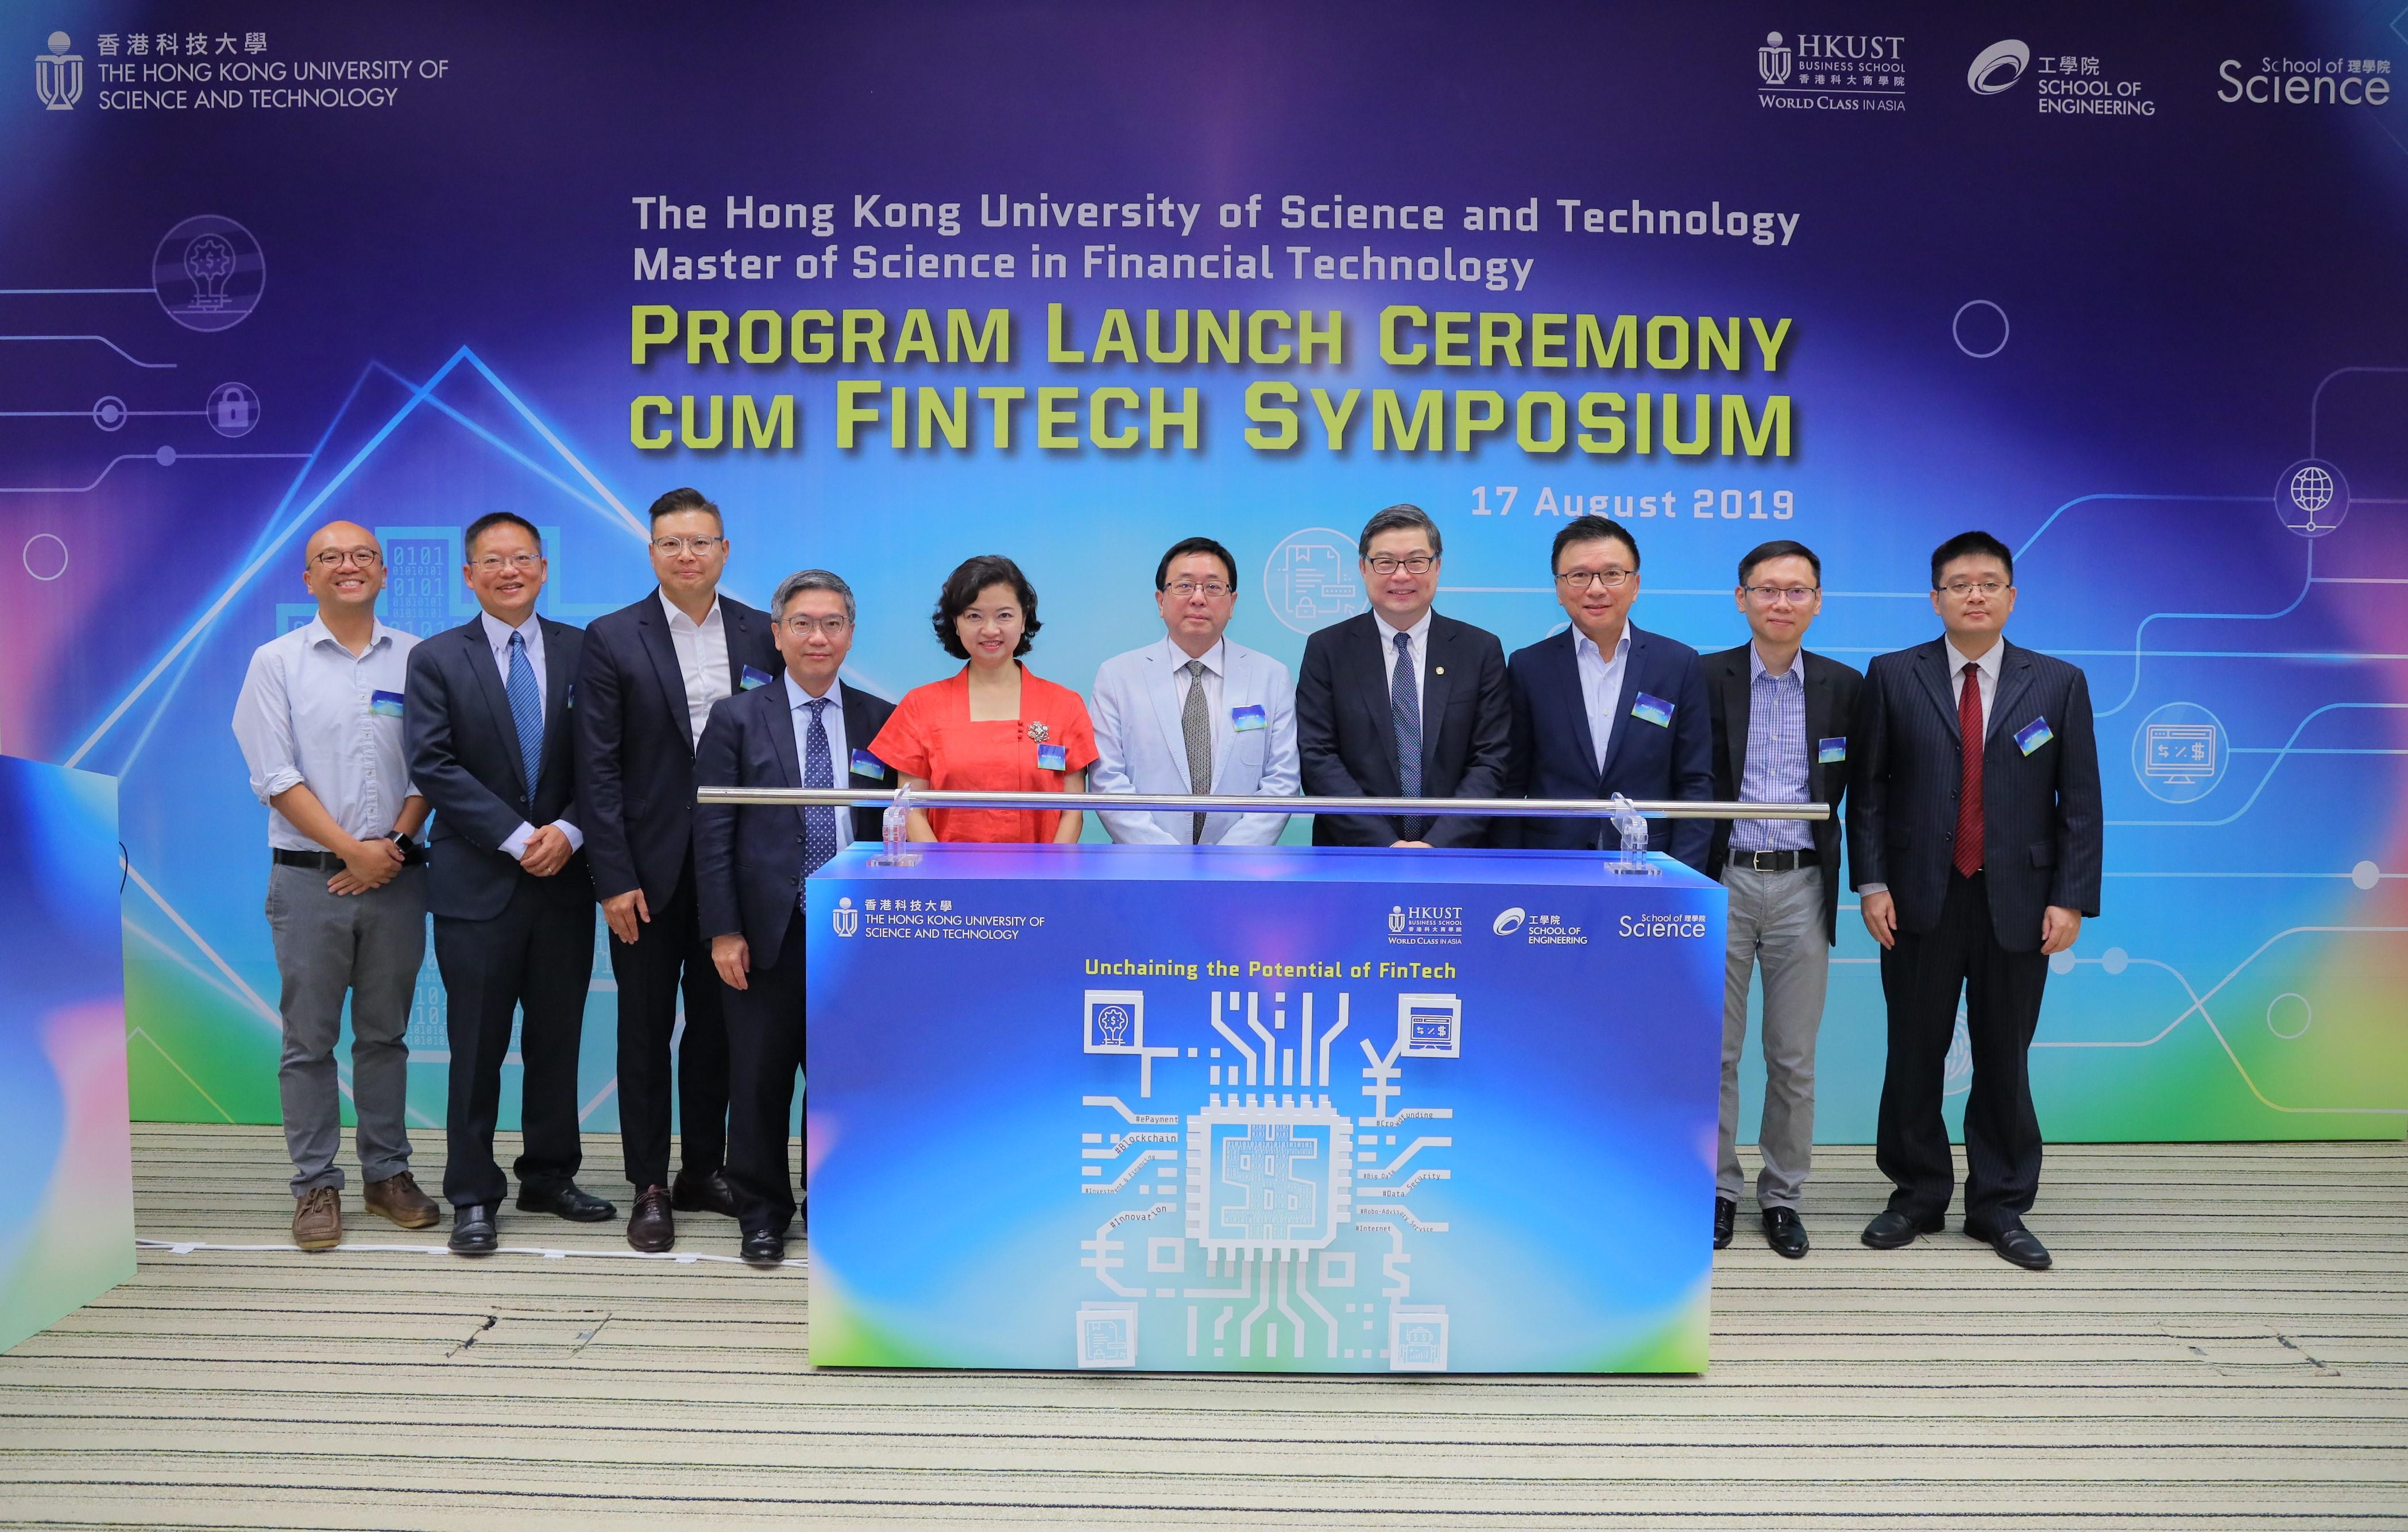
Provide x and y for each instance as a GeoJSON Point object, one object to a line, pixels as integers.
{"type": "Point", "coordinates": [846, 919]}
{"type": "Point", "coordinates": [1998, 67]}
{"type": "Point", "coordinates": [58, 75]}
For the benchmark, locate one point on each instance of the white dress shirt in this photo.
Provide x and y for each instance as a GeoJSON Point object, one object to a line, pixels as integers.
{"type": "Point", "coordinates": [498, 638]}
{"type": "Point", "coordinates": [831, 719]}
{"type": "Point", "coordinates": [307, 716]}
{"type": "Point", "coordinates": [1216, 666]}
{"type": "Point", "coordinates": [1985, 675]}
{"type": "Point", "coordinates": [1418, 646]}
{"type": "Point", "coordinates": [1601, 686]}
{"type": "Point", "coordinates": [702, 661]}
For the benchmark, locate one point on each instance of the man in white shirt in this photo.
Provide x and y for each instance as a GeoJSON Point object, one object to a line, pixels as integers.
{"type": "Point", "coordinates": [1193, 712]}
{"type": "Point", "coordinates": [319, 724]}
{"type": "Point", "coordinates": [651, 675]}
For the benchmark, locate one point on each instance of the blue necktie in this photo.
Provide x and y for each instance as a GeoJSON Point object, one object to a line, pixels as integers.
{"type": "Point", "coordinates": [1405, 715]}
{"type": "Point", "coordinates": [526, 710]}
{"type": "Point", "coordinates": [818, 771]}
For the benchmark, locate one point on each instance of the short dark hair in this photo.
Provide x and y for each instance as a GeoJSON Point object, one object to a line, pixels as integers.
{"type": "Point", "coordinates": [1970, 545]}
{"type": "Point", "coordinates": [492, 519]}
{"type": "Point", "coordinates": [1589, 529]}
{"type": "Point", "coordinates": [812, 579]}
{"type": "Point", "coordinates": [686, 499]}
{"type": "Point", "coordinates": [1186, 545]}
{"type": "Point", "coordinates": [1779, 548]}
{"type": "Point", "coordinates": [1399, 518]}
{"type": "Point", "coordinates": [962, 588]}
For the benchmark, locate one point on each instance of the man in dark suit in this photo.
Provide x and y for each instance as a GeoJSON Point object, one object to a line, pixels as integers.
{"type": "Point", "coordinates": [1781, 719]}
{"type": "Point", "coordinates": [1606, 706]}
{"type": "Point", "coordinates": [1400, 702]}
{"type": "Point", "coordinates": [1976, 845]}
{"type": "Point", "coordinates": [488, 734]}
{"type": "Point", "coordinates": [808, 730]}
{"type": "Point", "coordinates": [651, 675]}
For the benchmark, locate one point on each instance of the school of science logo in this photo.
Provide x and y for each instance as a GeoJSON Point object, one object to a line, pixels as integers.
{"type": "Point", "coordinates": [846, 919]}
{"type": "Point", "coordinates": [58, 75]}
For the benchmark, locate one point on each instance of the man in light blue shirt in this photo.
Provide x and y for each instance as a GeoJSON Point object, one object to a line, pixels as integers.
{"type": "Point", "coordinates": [319, 724]}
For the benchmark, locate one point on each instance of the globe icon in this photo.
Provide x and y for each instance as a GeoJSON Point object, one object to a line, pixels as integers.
{"type": "Point", "coordinates": [2312, 489]}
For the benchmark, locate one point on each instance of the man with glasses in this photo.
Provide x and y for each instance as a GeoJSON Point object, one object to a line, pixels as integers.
{"type": "Point", "coordinates": [320, 723]}
{"type": "Point", "coordinates": [749, 862]}
{"type": "Point", "coordinates": [1195, 713]}
{"type": "Point", "coordinates": [1606, 706]}
{"type": "Point", "coordinates": [486, 718]}
{"type": "Point", "coordinates": [1976, 845]}
{"type": "Point", "coordinates": [1400, 702]}
{"type": "Point", "coordinates": [1782, 720]}
{"type": "Point", "coordinates": [651, 675]}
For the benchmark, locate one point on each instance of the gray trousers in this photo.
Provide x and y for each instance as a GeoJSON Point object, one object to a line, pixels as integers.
{"type": "Point", "coordinates": [1776, 920]}
{"type": "Point", "coordinates": [369, 946]}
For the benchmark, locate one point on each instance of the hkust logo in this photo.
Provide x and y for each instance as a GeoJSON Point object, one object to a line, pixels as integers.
{"type": "Point", "coordinates": [58, 75]}
{"type": "Point", "coordinates": [846, 919]}
{"type": "Point", "coordinates": [1832, 71]}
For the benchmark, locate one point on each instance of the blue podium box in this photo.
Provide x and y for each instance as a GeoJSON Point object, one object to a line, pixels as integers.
{"type": "Point", "coordinates": [1261, 1110]}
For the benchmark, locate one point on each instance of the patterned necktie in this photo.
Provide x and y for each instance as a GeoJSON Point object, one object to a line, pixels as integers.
{"type": "Point", "coordinates": [1404, 717]}
{"type": "Point", "coordinates": [1196, 726]}
{"type": "Point", "coordinates": [1968, 791]}
{"type": "Point", "coordinates": [526, 710]}
{"type": "Point", "coordinates": [818, 771]}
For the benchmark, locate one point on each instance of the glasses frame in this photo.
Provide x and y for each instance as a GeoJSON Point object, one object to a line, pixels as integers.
{"type": "Point", "coordinates": [1211, 590]}
{"type": "Point", "coordinates": [494, 563]}
{"type": "Point", "coordinates": [1425, 562]}
{"type": "Point", "coordinates": [1963, 588]}
{"type": "Point", "coordinates": [1778, 596]}
{"type": "Point", "coordinates": [699, 547]}
{"type": "Point", "coordinates": [364, 558]}
{"type": "Point", "coordinates": [1582, 579]}
{"type": "Point", "coordinates": [802, 627]}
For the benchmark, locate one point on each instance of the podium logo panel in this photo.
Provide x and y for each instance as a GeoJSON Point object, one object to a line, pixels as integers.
{"type": "Point", "coordinates": [1269, 1182]}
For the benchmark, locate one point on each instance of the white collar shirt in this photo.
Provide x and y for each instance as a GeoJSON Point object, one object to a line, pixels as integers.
{"type": "Point", "coordinates": [1985, 672]}
{"type": "Point", "coordinates": [498, 638]}
{"type": "Point", "coordinates": [702, 661]}
{"type": "Point", "coordinates": [1601, 686]}
{"type": "Point", "coordinates": [1416, 644]}
{"type": "Point", "coordinates": [832, 719]}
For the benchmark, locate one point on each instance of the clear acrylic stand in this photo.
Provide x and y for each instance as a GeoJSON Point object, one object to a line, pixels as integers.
{"type": "Point", "coordinates": [896, 828]}
{"type": "Point", "coordinates": [1632, 827]}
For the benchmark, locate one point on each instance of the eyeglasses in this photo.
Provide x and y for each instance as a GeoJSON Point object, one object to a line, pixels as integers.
{"type": "Point", "coordinates": [1773, 596]}
{"type": "Point", "coordinates": [335, 558]}
{"type": "Point", "coordinates": [1960, 589]}
{"type": "Point", "coordinates": [698, 547]}
{"type": "Point", "coordinates": [494, 563]}
{"type": "Point", "coordinates": [1211, 590]}
{"type": "Point", "coordinates": [802, 627]}
{"type": "Point", "coordinates": [1580, 579]}
{"type": "Point", "coordinates": [1418, 564]}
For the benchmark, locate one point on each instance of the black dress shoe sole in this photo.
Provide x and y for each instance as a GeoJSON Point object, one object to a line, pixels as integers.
{"type": "Point", "coordinates": [473, 1247]}
{"type": "Point", "coordinates": [765, 1260]}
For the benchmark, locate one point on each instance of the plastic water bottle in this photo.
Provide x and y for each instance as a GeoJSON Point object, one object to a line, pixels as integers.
{"type": "Point", "coordinates": [895, 828]}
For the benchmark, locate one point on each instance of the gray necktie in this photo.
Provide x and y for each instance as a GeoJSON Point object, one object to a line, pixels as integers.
{"type": "Point", "coordinates": [1195, 723]}
{"type": "Point", "coordinates": [1404, 717]}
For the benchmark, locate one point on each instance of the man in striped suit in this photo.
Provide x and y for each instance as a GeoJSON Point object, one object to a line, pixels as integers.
{"type": "Point", "coordinates": [1975, 863]}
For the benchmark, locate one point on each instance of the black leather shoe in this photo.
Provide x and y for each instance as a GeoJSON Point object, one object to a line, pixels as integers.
{"type": "Point", "coordinates": [562, 1200]}
{"type": "Point", "coordinates": [762, 1248]}
{"type": "Point", "coordinates": [1783, 1233]}
{"type": "Point", "coordinates": [473, 1232]}
{"type": "Point", "coordinates": [1894, 1230]}
{"type": "Point", "coordinates": [703, 1192]}
{"type": "Point", "coordinates": [1725, 1219]}
{"type": "Point", "coordinates": [2017, 1246]}
{"type": "Point", "coordinates": [649, 1228]}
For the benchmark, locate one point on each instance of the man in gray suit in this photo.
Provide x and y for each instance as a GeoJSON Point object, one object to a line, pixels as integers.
{"type": "Point", "coordinates": [1193, 712]}
{"type": "Point", "coordinates": [1976, 845]}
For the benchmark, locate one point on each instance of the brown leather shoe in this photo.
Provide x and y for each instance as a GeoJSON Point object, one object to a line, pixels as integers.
{"type": "Point", "coordinates": [649, 1228]}
{"type": "Point", "coordinates": [398, 1198]}
{"type": "Point", "coordinates": [318, 1219]}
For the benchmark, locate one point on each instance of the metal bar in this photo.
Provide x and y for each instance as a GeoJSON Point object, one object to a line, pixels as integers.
{"type": "Point", "coordinates": [1220, 803]}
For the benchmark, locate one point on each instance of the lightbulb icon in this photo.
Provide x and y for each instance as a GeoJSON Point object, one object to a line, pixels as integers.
{"type": "Point", "coordinates": [208, 261]}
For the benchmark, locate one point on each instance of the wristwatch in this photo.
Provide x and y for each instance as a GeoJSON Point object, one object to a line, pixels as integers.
{"type": "Point", "coordinates": [412, 853]}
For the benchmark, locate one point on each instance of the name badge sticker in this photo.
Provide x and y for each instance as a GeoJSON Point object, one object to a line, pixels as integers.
{"type": "Point", "coordinates": [1249, 717]}
{"type": "Point", "coordinates": [1053, 758]}
{"type": "Point", "coordinates": [1831, 752]}
{"type": "Point", "coordinates": [385, 703]}
{"type": "Point", "coordinates": [2034, 734]}
{"type": "Point", "coordinates": [866, 765]}
{"type": "Point", "coordinates": [1653, 710]}
{"type": "Point", "coordinates": [754, 675]}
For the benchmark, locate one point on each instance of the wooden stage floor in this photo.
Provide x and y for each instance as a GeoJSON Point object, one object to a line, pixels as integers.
{"type": "Point", "coordinates": [2224, 1343]}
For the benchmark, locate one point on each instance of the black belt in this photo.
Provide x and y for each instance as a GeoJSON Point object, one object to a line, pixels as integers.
{"type": "Point", "coordinates": [1776, 860]}
{"type": "Point", "coordinates": [321, 861]}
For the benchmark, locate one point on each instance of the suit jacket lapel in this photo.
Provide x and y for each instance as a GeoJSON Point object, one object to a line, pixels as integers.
{"type": "Point", "coordinates": [559, 675]}
{"type": "Point", "coordinates": [652, 623]}
{"type": "Point", "coordinates": [779, 719]}
{"type": "Point", "coordinates": [2014, 679]}
{"type": "Point", "coordinates": [1437, 685]}
{"type": "Point", "coordinates": [1618, 706]}
{"type": "Point", "coordinates": [1237, 691]}
{"type": "Point", "coordinates": [1818, 723]}
{"type": "Point", "coordinates": [1377, 704]}
{"type": "Point", "coordinates": [480, 654]}
{"type": "Point", "coordinates": [1931, 663]}
{"type": "Point", "coordinates": [1161, 690]}
{"type": "Point", "coordinates": [1738, 682]}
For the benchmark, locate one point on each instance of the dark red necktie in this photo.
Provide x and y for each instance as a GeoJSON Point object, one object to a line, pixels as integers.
{"type": "Point", "coordinates": [1969, 794]}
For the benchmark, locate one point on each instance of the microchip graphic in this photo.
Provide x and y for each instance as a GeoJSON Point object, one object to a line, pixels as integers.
{"type": "Point", "coordinates": [1268, 1179]}
{"type": "Point", "coordinates": [1430, 1025]}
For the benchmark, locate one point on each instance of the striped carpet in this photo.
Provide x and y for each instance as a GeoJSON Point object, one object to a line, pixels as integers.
{"type": "Point", "coordinates": [2223, 1344]}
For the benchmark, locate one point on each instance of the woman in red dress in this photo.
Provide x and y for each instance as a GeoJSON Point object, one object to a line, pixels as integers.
{"type": "Point", "coordinates": [993, 726]}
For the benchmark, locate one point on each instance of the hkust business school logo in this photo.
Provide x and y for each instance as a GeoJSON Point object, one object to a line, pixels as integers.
{"type": "Point", "coordinates": [58, 75]}
{"type": "Point", "coordinates": [2063, 84]}
{"type": "Point", "coordinates": [1831, 71]}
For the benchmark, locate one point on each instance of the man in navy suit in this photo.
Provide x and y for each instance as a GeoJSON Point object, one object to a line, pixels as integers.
{"type": "Point", "coordinates": [651, 674]}
{"type": "Point", "coordinates": [1606, 706]}
{"type": "Point", "coordinates": [1975, 847]}
{"type": "Point", "coordinates": [488, 735]}
{"type": "Point", "coordinates": [808, 730]}
{"type": "Point", "coordinates": [1400, 702]}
